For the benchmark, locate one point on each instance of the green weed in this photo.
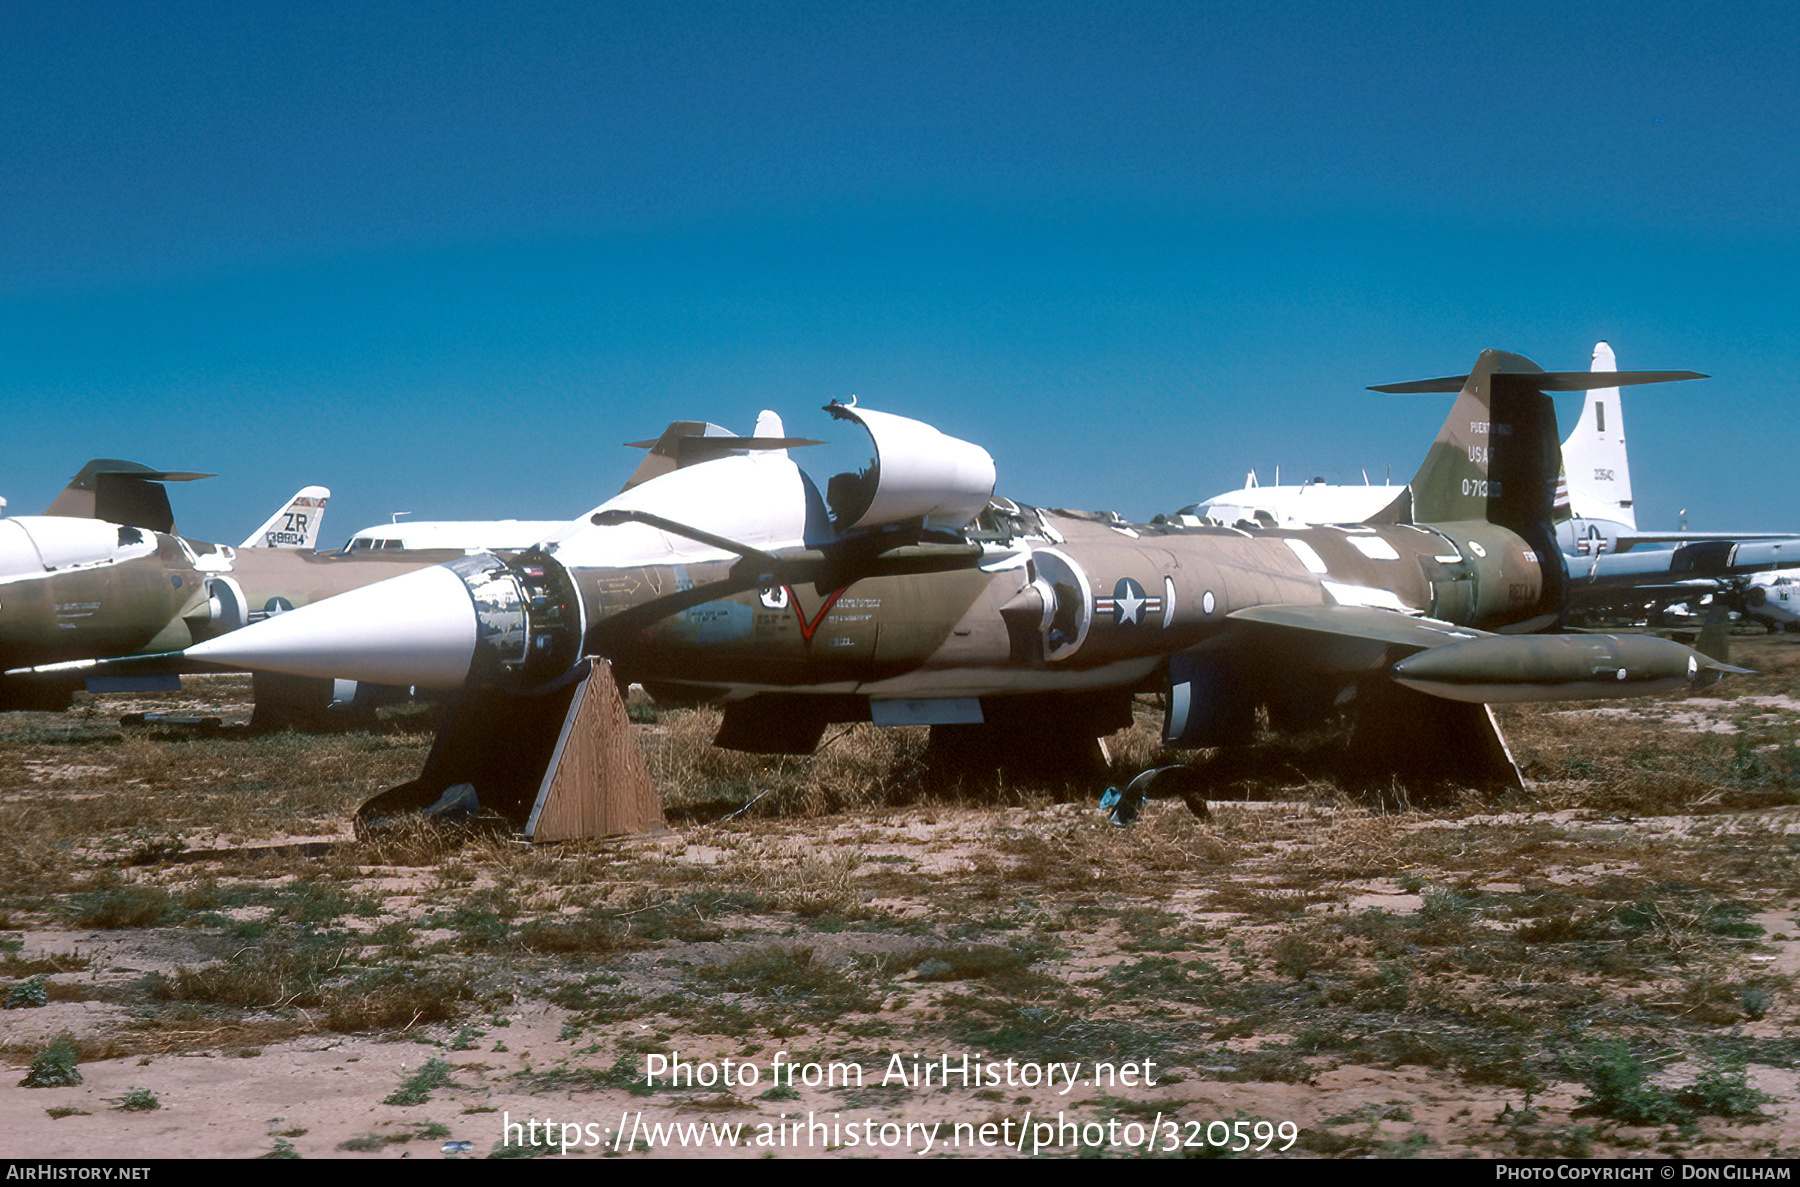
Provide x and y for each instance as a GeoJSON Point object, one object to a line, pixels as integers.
{"type": "Point", "coordinates": [54, 1066]}
{"type": "Point", "coordinates": [27, 994]}
{"type": "Point", "coordinates": [1723, 1090]}
{"type": "Point", "coordinates": [121, 904]}
{"type": "Point", "coordinates": [1619, 1087]}
{"type": "Point", "coordinates": [968, 961]}
{"type": "Point", "coordinates": [418, 1087]}
{"type": "Point", "coordinates": [140, 1100]}
{"type": "Point", "coordinates": [796, 977]}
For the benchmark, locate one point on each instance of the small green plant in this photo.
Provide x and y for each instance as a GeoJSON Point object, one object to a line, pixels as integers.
{"type": "Point", "coordinates": [417, 1088]}
{"type": "Point", "coordinates": [150, 850]}
{"type": "Point", "coordinates": [1524, 1115]}
{"type": "Point", "coordinates": [625, 1073]}
{"type": "Point", "coordinates": [535, 1148]}
{"type": "Point", "coordinates": [117, 903]}
{"type": "Point", "coordinates": [1410, 1146]}
{"type": "Point", "coordinates": [366, 1143]}
{"type": "Point", "coordinates": [54, 1066]}
{"type": "Point", "coordinates": [797, 978]}
{"type": "Point", "coordinates": [27, 994]}
{"type": "Point", "coordinates": [964, 962]}
{"type": "Point", "coordinates": [283, 1149]}
{"type": "Point", "coordinates": [1296, 955]}
{"type": "Point", "coordinates": [1723, 1090]}
{"type": "Point", "coordinates": [140, 1100]}
{"type": "Point", "coordinates": [1444, 917]}
{"type": "Point", "coordinates": [1619, 1087]}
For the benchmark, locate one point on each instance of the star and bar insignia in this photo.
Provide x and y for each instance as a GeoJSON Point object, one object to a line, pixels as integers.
{"type": "Point", "coordinates": [1129, 603]}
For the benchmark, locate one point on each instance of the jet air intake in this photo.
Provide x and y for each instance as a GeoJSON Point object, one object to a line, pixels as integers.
{"type": "Point", "coordinates": [918, 474]}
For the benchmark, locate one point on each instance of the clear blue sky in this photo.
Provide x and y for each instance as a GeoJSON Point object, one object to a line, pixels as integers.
{"type": "Point", "coordinates": [446, 258]}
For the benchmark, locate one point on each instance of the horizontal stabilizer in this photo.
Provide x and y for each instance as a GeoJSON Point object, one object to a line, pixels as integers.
{"type": "Point", "coordinates": [690, 449]}
{"type": "Point", "coordinates": [1544, 381]}
{"type": "Point", "coordinates": [691, 442]}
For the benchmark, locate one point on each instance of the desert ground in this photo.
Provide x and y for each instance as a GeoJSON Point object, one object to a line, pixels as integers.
{"type": "Point", "coordinates": [848, 954]}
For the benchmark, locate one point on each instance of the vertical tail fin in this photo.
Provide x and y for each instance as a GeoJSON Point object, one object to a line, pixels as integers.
{"type": "Point", "coordinates": [295, 525]}
{"type": "Point", "coordinates": [121, 492]}
{"type": "Point", "coordinates": [1498, 457]}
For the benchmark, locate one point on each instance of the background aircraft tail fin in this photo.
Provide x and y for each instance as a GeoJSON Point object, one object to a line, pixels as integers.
{"type": "Point", "coordinates": [690, 442]}
{"type": "Point", "coordinates": [295, 525]}
{"type": "Point", "coordinates": [1594, 458]}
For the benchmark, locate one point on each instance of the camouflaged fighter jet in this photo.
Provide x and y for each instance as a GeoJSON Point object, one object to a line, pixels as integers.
{"type": "Point", "coordinates": [103, 574]}
{"type": "Point", "coordinates": [907, 594]}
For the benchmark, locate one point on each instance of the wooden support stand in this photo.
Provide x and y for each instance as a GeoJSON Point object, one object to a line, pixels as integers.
{"type": "Point", "coordinates": [596, 783]}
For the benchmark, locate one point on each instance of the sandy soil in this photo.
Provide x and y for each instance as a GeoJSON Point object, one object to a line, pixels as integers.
{"type": "Point", "coordinates": [1174, 953]}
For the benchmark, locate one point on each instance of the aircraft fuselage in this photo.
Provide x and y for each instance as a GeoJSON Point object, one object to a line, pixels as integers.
{"type": "Point", "coordinates": [1084, 602]}
{"type": "Point", "coordinates": [78, 589]}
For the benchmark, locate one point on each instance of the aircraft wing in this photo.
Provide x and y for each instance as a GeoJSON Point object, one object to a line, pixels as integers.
{"type": "Point", "coordinates": [1630, 540]}
{"type": "Point", "coordinates": [1387, 627]}
{"type": "Point", "coordinates": [1630, 578]}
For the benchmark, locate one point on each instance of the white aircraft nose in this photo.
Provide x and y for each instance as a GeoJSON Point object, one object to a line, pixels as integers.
{"type": "Point", "coordinates": [416, 629]}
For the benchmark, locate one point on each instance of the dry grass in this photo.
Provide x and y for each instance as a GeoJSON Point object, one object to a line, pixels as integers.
{"type": "Point", "coordinates": [855, 767]}
{"type": "Point", "coordinates": [848, 903]}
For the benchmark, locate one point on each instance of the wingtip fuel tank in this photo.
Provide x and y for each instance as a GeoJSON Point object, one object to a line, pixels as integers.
{"type": "Point", "coordinates": [1505, 668]}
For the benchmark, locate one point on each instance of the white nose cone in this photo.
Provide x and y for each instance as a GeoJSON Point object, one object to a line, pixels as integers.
{"type": "Point", "coordinates": [417, 629]}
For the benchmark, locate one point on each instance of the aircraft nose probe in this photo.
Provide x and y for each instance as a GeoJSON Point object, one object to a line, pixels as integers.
{"type": "Point", "coordinates": [433, 628]}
